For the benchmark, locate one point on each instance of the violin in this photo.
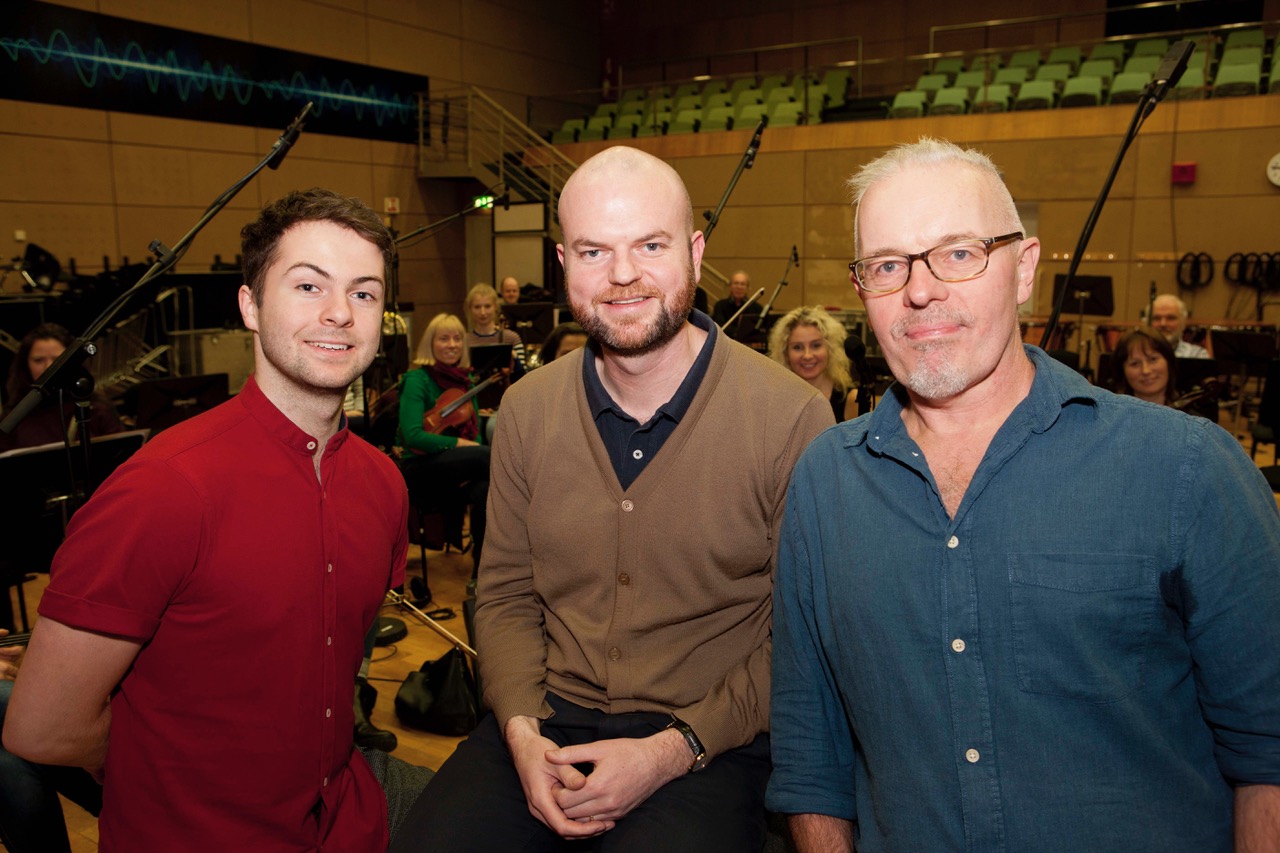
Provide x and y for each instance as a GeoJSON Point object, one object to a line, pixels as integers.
{"type": "Point", "coordinates": [451, 408]}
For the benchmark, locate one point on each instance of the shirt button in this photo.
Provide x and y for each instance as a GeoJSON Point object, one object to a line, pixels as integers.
{"type": "Point", "coordinates": [637, 454]}
{"type": "Point", "coordinates": [627, 506]}
{"type": "Point", "coordinates": [325, 783]}
{"type": "Point", "coordinates": [953, 542]}
{"type": "Point", "coordinates": [957, 645]}
{"type": "Point", "coordinates": [328, 641]}
{"type": "Point", "coordinates": [971, 756]}
{"type": "Point", "coordinates": [330, 567]}
{"type": "Point", "coordinates": [614, 653]}
{"type": "Point", "coordinates": [624, 578]}
{"type": "Point", "coordinates": [311, 445]}
{"type": "Point", "coordinates": [328, 712]}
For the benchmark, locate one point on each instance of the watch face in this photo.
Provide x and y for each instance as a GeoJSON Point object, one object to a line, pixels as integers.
{"type": "Point", "coordinates": [1273, 170]}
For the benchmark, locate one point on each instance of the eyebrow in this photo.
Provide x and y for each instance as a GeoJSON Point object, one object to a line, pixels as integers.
{"type": "Point", "coordinates": [954, 237]}
{"type": "Point", "coordinates": [586, 242]}
{"type": "Point", "coordinates": [364, 279]}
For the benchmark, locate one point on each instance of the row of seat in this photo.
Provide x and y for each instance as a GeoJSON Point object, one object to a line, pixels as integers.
{"type": "Point", "coordinates": [715, 104]}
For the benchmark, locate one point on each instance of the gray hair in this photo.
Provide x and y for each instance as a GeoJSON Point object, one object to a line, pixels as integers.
{"type": "Point", "coordinates": [930, 152]}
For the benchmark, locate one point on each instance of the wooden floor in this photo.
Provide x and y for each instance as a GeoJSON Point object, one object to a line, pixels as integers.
{"type": "Point", "coordinates": [448, 575]}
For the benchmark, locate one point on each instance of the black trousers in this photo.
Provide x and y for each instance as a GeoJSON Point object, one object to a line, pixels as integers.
{"type": "Point", "coordinates": [475, 803]}
{"type": "Point", "coordinates": [452, 479]}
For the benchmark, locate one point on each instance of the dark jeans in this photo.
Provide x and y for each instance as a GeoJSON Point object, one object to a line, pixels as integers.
{"type": "Point", "coordinates": [475, 802]}
{"type": "Point", "coordinates": [31, 818]}
{"type": "Point", "coordinates": [450, 480]}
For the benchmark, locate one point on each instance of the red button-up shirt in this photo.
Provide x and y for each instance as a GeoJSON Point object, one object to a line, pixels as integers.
{"type": "Point", "coordinates": [251, 586]}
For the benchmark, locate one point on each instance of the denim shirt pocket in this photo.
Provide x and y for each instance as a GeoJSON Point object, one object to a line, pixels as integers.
{"type": "Point", "coordinates": [1082, 623]}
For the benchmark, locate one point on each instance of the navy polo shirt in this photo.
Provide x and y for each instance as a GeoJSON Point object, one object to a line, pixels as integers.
{"type": "Point", "coordinates": [629, 443]}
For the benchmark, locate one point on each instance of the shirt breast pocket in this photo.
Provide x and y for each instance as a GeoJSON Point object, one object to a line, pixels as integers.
{"type": "Point", "coordinates": [1082, 623]}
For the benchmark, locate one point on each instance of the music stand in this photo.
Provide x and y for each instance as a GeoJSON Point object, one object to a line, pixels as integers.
{"type": "Point", "coordinates": [532, 321]}
{"type": "Point", "coordinates": [158, 404]}
{"type": "Point", "coordinates": [486, 360]}
{"type": "Point", "coordinates": [1246, 349]}
{"type": "Point", "coordinates": [1092, 294]}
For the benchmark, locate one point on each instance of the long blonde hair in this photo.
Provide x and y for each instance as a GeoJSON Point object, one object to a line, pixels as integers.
{"type": "Point", "coordinates": [833, 334]}
{"type": "Point", "coordinates": [442, 323]}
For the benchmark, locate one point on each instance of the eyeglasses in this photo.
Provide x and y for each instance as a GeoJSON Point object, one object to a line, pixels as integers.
{"type": "Point", "coordinates": [950, 262]}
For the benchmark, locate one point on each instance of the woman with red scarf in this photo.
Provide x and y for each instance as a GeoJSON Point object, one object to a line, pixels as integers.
{"type": "Point", "coordinates": [449, 469]}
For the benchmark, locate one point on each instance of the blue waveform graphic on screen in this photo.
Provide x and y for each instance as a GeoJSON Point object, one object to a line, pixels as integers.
{"type": "Point", "coordinates": [192, 80]}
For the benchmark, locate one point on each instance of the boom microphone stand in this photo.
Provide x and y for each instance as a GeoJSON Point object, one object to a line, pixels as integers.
{"type": "Point", "coordinates": [1166, 77]}
{"type": "Point", "coordinates": [68, 371]}
{"type": "Point", "coordinates": [748, 160]}
{"type": "Point", "coordinates": [793, 259]}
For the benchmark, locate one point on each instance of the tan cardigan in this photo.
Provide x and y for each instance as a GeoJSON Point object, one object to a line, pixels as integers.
{"type": "Point", "coordinates": [653, 599]}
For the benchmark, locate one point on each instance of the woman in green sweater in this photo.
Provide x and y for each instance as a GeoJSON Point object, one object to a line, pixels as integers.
{"type": "Point", "coordinates": [449, 468]}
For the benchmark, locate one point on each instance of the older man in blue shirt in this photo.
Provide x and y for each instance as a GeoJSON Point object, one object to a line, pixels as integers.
{"type": "Point", "coordinates": [997, 626]}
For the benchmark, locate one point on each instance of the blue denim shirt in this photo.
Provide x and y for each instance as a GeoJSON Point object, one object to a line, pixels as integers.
{"type": "Point", "coordinates": [1087, 657]}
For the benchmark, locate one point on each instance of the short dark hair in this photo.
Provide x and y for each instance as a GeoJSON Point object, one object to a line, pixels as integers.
{"type": "Point", "coordinates": [20, 380]}
{"type": "Point", "coordinates": [259, 239]}
{"type": "Point", "coordinates": [1145, 339]}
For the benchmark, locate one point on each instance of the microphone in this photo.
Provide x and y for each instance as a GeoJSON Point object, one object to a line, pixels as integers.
{"type": "Point", "coordinates": [795, 256]}
{"type": "Point", "coordinates": [290, 136]}
{"type": "Point", "coordinates": [1171, 69]}
{"type": "Point", "coordinates": [856, 350]}
{"type": "Point", "coordinates": [506, 200]}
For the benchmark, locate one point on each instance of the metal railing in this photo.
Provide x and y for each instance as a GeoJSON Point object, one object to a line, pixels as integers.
{"type": "Point", "coordinates": [471, 130]}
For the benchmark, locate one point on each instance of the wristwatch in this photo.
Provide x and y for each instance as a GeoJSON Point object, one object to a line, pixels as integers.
{"type": "Point", "coordinates": [695, 745]}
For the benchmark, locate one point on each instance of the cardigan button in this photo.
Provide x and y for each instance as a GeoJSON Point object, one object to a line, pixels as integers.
{"type": "Point", "coordinates": [624, 579]}
{"type": "Point", "coordinates": [614, 653]}
{"type": "Point", "coordinates": [627, 506]}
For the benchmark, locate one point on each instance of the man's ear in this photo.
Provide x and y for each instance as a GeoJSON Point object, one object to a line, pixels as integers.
{"type": "Point", "coordinates": [248, 308]}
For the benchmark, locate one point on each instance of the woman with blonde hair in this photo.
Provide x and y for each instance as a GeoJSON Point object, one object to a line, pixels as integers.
{"type": "Point", "coordinates": [449, 467]}
{"type": "Point", "coordinates": [810, 342]}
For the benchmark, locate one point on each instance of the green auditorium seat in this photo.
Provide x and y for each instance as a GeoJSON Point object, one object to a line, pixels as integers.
{"type": "Point", "coordinates": [814, 99]}
{"type": "Point", "coordinates": [1036, 95]}
{"type": "Point", "coordinates": [970, 81]}
{"type": "Point", "coordinates": [747, 96]}
{"type": "Point", "coordinates": [721, 118]}
{"type": "Point", "coordinates": [953, 100]}
{"type": "Point", "coordinates": [1128, 86]}
{"type": "Point", "coordinates": [836, 82]}
{"type": "Point", "coordinates": [749, 116]}
{"type": "Point", "coordinates": [1245, 38]}
{"type": "Point", "coordinates": [1151, 47]}
{"type": "Point", "coordinates": [1245, 55]}
{"type": "Point", "coordinates": [986, 62]}
{"type": "Point", "coordinates": [687, 102]}
{"type": "Point", "coordinates": [1029, 59]}
{"type": "Point", "coordinates": [605, 110]}
{"type": "Point", "coordinates": [1070, 55]}
{"type": "Point", "coordinates": [778, 94]}
{"type": "Point", "coordinates": [1112, 50]}
{"type": "Point", "coordinates": [714, 87]}
{"type": "Point", "coordinates": [1013, 77]}
{"type": "Point", "coordinates": [1191, 86]}
{"type": "Point", "coordinates": [741, 83]}
{"type": "Point", "coordinates": [1144, 63]}
{"type": "Point", "coordinates": [1103, 69]}
{"type": "Point", "coordinates": [931, 83]}
{"type": "Point", "coordinates": [684, 90]}
{"type": "Point", "coordinates": [771, 82]}
{"type": "Point", "coordinates": [1055, 72]}
{"type": "Point", "coordinates": [686, 121]}
{"type": "Point", "coordinates": [1233, 80]}
{"type": "Point", "coordinates": [949, 65]}
{"type": "Point", "coordinates": [625, 125]}
{"type": "Point", "coordinates": [992, 99]}
{"type": "Point", "coordinates": [1082, 92]}
{"type": "Point", "coordinates": [568, 131]}
{"type": "Point", "coordinates": [912, 104]}
{"type": "Point", "coordinates": [719, 99]}
{"type": "Point", "coordinates": [786, 114]}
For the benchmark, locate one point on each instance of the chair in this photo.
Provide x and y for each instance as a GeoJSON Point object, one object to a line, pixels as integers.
{"type": "Point", "coordinates": [568, 131]}
{"type": "Point", "coordinates": [631, 108]}
{"type": "Point", "coordinates": [953, 100]}
{"type": "Point", "coordinates": [1234, 80]}
{"type": "Point", "coordinates": [662, 105]}
{"type": "Point", "coordinates": [970, 81]}
{"type": "Point", "coordinates": [1112, 50]}
{"type": "Point", "coordinates": [1191, 86]}
{"type": "Point", "coordinates": [1056, 72]}
{"type": "Point", "coordinates": [1029, 59]}
{"type": "Point", "coordinates": [684, 90]}
{"type": "Point", "coordinates": [721, 118]}
{"type": "Point", "coordinates": [1145, 62]}
{"type": "Point", "coordinates": [1013, 77]}
{"type": "Point", "coordinates": [688, 102]}
{"type": "Point", "coordinates": [747, 96]}
{"type": "Point", "coordinates": [771, 82]}
{"type": "Point", "coordinates": [1036, 95]}
{"type": "Point", "coordinates": [594, 133]}
{"type": "Point", "coordinates": [836, 82]}
{"type": "Point", "coordinates": [714, 87]}
{"type": "Point", "coordinates": [687, 121]}
{"type": "Point", "coordinates": [719, 99]}
{"type": "Point", "coordinates": [949, 65]}
{"type": "Point", "coordinates": [786, 114]}
{"type": "Point", "coordinates": [814, 99]}
{"type": "Point", "coordinates": [1151, 47]}
{"type": "Point", "coordinates": [1275, 75]}
{"type": "Point", "coordinates": [1103, 69]}
{"type": "Point", "coordinates": [1068, 55]}
{"type": "Point", "coordinates": [912, 104]}
{"type": "Point", "coordinates": [1128, 86]}
{"type": "Point", "coordinates": [779, 94]}
{"type": "Point", "coordinates": [986, 62]}
{"type": "Point", "coordinates": [636, 94]}
{"type": "Point", "coordinates": [741, 83]}
{"type": "Point", "coordinates": [749, 115]}
{"type": "Point", "coordinates": [1245, 38]}
{"type": "Point", "coordinates": [1250, 55]}
{"type": "Point", "coordinates": [931, 83]}
{"type": "Point", "coordinates": [991, 99]}
{"type": "Point", "coordinates": [1082, 92]}
{"type": "Point", "coordinates": [625, 126]}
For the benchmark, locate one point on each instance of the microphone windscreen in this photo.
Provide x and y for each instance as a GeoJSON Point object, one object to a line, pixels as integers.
{"type": "Point", "coordinates": [855, 349]}
{"type": "Point", "coordinates": [1174, 64]}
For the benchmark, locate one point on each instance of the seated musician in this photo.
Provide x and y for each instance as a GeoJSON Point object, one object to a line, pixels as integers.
{"type": "Point", "coordinates": [447, 461]}
{"type": "Point", "coordinates": [810, 343]}
{"type": "Point", "coordinates": [49, 423]}
{"type": "Point", "coordinates": [563, 340]}
{"type": "Point", "coordinates": [482, 311]}
{"type": "Point", "coordinates": [1144, 366]}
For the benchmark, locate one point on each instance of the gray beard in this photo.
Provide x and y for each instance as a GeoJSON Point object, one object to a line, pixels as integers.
{"type": "Point", "coordinates": [938, 382]}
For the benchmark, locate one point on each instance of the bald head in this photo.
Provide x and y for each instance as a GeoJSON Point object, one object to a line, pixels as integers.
{"type": "Point", "coordinates": [605, 175]}
{"type": "Point", "coordinates": [1169, 317]}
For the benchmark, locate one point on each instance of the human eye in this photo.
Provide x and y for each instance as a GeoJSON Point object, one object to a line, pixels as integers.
{"type": "Point", "coordinates": [652, 247]}
{"type": "Point", "coordinates": [590, 254]}
{"type": "Point", "coordinates": [308, 287]}
{"type": "Point", "coordinates": [882, 266]}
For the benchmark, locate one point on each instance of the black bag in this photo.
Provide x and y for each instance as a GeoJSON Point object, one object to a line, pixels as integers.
{"type": "Point", "coordinates": [440, 697]}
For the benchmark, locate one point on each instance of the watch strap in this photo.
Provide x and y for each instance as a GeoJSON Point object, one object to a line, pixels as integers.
{"type": "Point", "coordinates": [695, 745]}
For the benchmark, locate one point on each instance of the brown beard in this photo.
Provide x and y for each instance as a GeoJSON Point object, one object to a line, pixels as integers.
{"type": "Point", "coordinates": [624, 340]}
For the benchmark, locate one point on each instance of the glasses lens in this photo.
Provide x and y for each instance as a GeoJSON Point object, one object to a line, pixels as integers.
{"type": "Point", "coordinates": [887, 272]}
{"type": "Point", "coordinates": [957, 261]}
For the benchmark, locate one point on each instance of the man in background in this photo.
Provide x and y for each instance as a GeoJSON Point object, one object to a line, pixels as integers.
{"type": "Point", "coordinates": [1169, 318]}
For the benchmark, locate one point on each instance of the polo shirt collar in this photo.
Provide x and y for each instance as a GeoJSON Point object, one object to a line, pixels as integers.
{"type": "Point", "coordinates": [278, 425]}
{"type": "Point", "coordinates": [599, 401]}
